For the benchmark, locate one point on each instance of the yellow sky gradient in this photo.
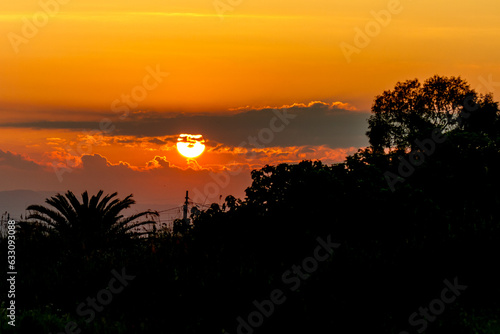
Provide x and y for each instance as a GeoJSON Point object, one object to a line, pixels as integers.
{"type": "Point", "coordinates": [260, 53]}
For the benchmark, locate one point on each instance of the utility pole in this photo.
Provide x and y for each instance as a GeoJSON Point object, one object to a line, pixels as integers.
{"type": "Point", "coordinates": [185, 217]}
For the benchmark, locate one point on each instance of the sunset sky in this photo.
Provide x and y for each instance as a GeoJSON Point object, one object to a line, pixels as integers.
{"type": "Point", "coordinates": [94, 94]}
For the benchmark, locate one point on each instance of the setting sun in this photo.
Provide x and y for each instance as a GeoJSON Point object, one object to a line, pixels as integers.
{"type": "Point", "coordinates": [190, 146]}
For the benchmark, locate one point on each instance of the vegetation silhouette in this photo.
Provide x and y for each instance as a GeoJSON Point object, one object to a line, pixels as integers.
{"type": "Point", "coordinates": [412, 110]}
{"type": "Point", "coordinates": [398, 244]}
{"type": "Point", "coordinates": [92, 224]}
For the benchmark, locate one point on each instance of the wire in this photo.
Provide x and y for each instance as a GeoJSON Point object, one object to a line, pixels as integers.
{"type": "Point", "coordinates": [177, 207]}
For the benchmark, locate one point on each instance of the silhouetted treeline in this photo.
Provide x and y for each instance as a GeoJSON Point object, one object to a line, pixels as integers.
{"type": "Point", "coordinates": [408, 213]}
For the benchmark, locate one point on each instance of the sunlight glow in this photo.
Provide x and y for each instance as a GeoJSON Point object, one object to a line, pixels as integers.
{"type": "Point", "coordinates": [190, 146]}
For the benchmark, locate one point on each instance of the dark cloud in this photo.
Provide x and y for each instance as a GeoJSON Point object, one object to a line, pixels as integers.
{"type": "Point", "coordinates": [39, 125]}
{"type": "Point", "coordinates": [158, 162]}
{"type": "Point", "coordinates": [159, 183]}
{"type": "Point", "coordinates": [157, 141]}
{"type": "Point", "coordinates": [317, 123]}
{"type": "Point", "coordinates": [16, 161]}
{"type": "Point", "coordinates": [124, 141]}
{"type": "Point", "coordinates": [306, 149]}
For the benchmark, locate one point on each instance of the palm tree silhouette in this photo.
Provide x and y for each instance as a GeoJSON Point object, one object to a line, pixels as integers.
{"type": "Point", "coordinates": [94, 223]}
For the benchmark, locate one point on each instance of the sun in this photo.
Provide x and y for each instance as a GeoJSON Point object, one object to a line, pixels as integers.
{"type": "Point", "coordinates": [190, 146]}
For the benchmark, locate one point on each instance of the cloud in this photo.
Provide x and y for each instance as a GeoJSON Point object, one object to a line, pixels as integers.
{"type": "Point", "coordinates": [332, 105]}
{"type": "Point", "coordinates": [157, 141]}
{"type": "Point", "coordinates": [335, 124]}
{"type": "Point", "coordinates": [158, 181]}
{"type": "Point", "coordinates": [17, 161]}
{"type": "Point", "coordinates": [293, 154]}
{"type": "Point", "coordinates": [152, 184]}
{"type": "Point", "coordinates": [139, 155]}
{"type": "Point", "coordinates": [158, 162]}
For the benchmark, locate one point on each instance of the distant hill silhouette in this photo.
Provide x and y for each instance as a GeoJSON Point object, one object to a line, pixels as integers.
{"type": "Point", "coordinates": [15, 201]}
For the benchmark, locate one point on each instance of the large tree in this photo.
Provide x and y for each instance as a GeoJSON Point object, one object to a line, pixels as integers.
{"type": "Point", "coordinates": [93, 223]}
{"type": "Point", "coordinates": [413, 110]}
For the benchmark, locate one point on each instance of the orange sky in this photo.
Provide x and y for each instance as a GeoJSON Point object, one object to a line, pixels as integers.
{"type": "Point", "coordinates": [82, 61]}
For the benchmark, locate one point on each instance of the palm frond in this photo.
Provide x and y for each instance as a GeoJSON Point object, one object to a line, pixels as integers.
{"type": "Point", "coordinates": [62, 205]}
{"type": "Point", "coordinates": [125, 223]}
{"type": "Point", "coordinates": [105, 201]}
{"type": "Point", "coordinates": [46, 215]}
{"type": "Point", "coordinates": [95, 199]}
{"type": "Point", "coordinates": [95, 221]}
{"type": "Point", "coordinates": [85, 199]}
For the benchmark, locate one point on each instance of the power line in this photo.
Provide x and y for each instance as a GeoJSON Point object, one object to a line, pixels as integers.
{"type": "Point", "coordinates": [176, 208]}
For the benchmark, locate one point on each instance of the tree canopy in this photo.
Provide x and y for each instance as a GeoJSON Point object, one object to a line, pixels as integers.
{"type": "Point", "coordinates": [413, 110]}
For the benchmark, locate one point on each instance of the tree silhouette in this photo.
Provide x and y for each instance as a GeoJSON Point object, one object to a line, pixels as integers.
{"type": "Point", "coordinates": [413, 110]}
{"type": "Point", "coordinates": [94, 223]}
